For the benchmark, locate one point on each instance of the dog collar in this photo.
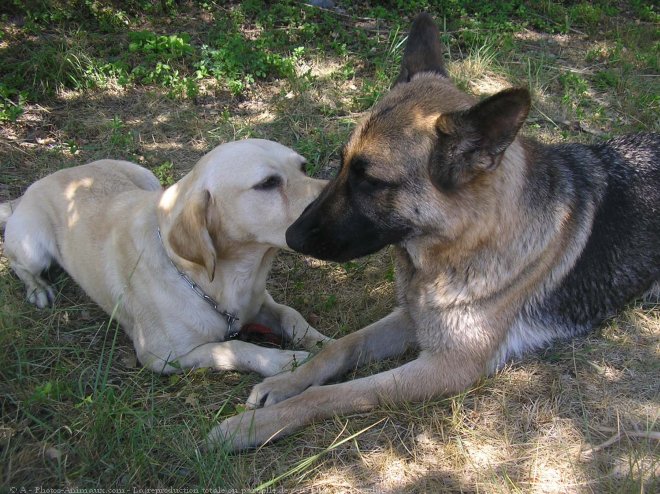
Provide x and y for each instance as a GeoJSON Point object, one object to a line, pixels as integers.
{"type": "Point", "coordinates": [231, 318]}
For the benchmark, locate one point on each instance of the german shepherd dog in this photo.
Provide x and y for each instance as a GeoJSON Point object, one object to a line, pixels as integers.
{"type": "Point", "coordinates": [503, 244]}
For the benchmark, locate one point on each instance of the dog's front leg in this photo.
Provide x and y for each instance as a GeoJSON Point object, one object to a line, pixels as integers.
{"type": "Point", "coordinates": [388, 337]}
{"type": "Point", "coordinates": [427, 376]}
{"type": "Point", "coordinates": [294, 326]}
{"type": "Point", "coordinates": [235, 355]}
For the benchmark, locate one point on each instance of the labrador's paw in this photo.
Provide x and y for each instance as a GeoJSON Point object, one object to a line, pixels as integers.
{"type": "Point", "coordinates": [42, 295]}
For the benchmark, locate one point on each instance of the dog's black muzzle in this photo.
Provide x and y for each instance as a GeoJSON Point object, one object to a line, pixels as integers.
{"type": "Point", "coordinates": [332, 228]}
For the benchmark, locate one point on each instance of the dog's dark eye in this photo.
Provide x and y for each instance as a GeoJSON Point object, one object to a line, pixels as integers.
{"type": "Point", "coordinates": [269, 183]}
{"type": "Point", "coordinates": [303, 167]}
{"type": "Point", "coordinates": [361, 179]}
{"type": "Point", "coordinates": [369, 183]}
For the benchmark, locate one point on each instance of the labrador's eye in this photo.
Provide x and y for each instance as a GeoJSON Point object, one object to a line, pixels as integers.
{"type": "Point", "coordinates": [269, 183]}
{"type": "Point", "coordinates": [303, 167]}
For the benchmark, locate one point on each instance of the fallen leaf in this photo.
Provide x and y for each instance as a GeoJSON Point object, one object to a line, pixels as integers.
{"type": "Point", "coordinates": [192, 400]}
{"type": "Point", "coordinates": [53, 453]}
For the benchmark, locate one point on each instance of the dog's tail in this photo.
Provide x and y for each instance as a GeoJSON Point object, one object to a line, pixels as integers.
{"type": "Point", "coordinates": [6, 210]}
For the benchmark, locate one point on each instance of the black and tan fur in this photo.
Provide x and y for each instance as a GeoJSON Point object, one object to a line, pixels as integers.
{"type": "Point", "coordinates": [503, 244]}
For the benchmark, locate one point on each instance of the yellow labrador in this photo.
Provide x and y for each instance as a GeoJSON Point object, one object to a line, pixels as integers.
{"type": "Point", "coordinates": [181, 269]}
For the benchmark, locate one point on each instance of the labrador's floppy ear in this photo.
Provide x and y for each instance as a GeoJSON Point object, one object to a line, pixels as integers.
{"type": "Point", "coordinates": [474, 140]}
{"type": "Point", "coordinates": [190, 235]}
{"type": "Point", "coordinates": [423, 52]}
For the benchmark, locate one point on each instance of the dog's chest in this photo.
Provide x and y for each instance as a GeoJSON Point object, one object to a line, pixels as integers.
{"type": "Point", "coordinates": [190, 316]}
{"type": "Point", "coordinates": [424, 290]}
{"type": "Point", "coordinates": [434, 323]}
{"type": "Point", "coordinates": [441, 307]}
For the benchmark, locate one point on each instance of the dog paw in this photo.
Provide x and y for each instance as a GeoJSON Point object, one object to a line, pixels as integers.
{"type": "Point", "coordinates": [42, 297]}
{"type": "Point", "coordinates": [299, 357]}
{"type": "Point", "coordinates": [277, 361]}
{"type": "Point", "coordinates": [247, 430]}
{"type": "Point", "coordinates": [295, 358]}
{"type": "Point", "coordinates": [309, 338]}
{"type": "Point", "coordinates": [273, 390]}
{"type": "Point", "coordinates": [233, 434]}
{"type": "Point", "coordinates": [316, 344]}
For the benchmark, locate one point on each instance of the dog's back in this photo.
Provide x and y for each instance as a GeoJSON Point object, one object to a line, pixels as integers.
{"type": "Point", "coordinates": [64, 207]}
{"type": "Point", "coordinates": [622, 256]}
{"type": "Point", "coordinates": [108, 177]}
{"type": "Point", "coordinates": [611, 192]}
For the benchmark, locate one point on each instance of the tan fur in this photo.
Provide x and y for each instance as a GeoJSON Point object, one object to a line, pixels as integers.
{"type": "Point", "coordinates": [190, 236]}
{"type": "Point", "coordinates": [100, 222]}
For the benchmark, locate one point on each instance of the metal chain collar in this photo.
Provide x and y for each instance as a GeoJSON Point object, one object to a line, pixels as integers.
{"type": "Point", "coordinates": [231, 318]}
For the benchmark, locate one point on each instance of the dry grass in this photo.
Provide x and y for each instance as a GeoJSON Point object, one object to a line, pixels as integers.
{"type": "Point", "coordinates": [539, 425]}
{"type": "Point", "coordinates": [581, 417]}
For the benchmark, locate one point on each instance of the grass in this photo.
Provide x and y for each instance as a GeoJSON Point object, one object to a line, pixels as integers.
{"type": "Point", "coordinates": [161, 83]}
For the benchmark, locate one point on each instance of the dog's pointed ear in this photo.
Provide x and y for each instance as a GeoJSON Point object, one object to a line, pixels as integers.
{"type": "Point", "coordinates": [190, 235]}
{"type": "Point", "coordinates": [497, 119]}
{"type": "Point", "coordinates": [474, 140]}
{"type": "Point", "coordinates": [423, 51]}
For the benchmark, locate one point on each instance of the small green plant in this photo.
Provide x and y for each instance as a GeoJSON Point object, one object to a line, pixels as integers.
{"type": "Point", "coordinates": [575, 88]}
{"type": "Point", "coordinates": [72, 147]}
{"type": "Point", "coordinates": [164, 63]}
{"type": "Point", "coordinates": [109, 17]}
{"type": "Point", "coordinates": [330, 302]}
{"type": "Point", "coordinates": [164, 74]}
{"type": "Point", "coordinates": [239, 62]}
{"type": "Point", "coordinates": [100, 75]}
{"type": "Point", "coordinates": [165, 173]}
{"type": "Point", "coordinates": [50, 390]}
{"type": "Point", "coordinates": [120, 136]}
{"type": "Point", "coordinates": [584, 14]}
{"type": "Point", "coordinates": [175, 45]}
{"type": "Point", "coordinates": [10, 110]}
{"type": "Point", "coordinates": [606, 79]}
{"type": "Point", "coordinates": [647, 11]}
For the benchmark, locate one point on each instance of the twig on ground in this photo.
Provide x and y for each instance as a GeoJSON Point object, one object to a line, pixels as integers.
{"type": "Point", "coordinates": [620, 433]}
